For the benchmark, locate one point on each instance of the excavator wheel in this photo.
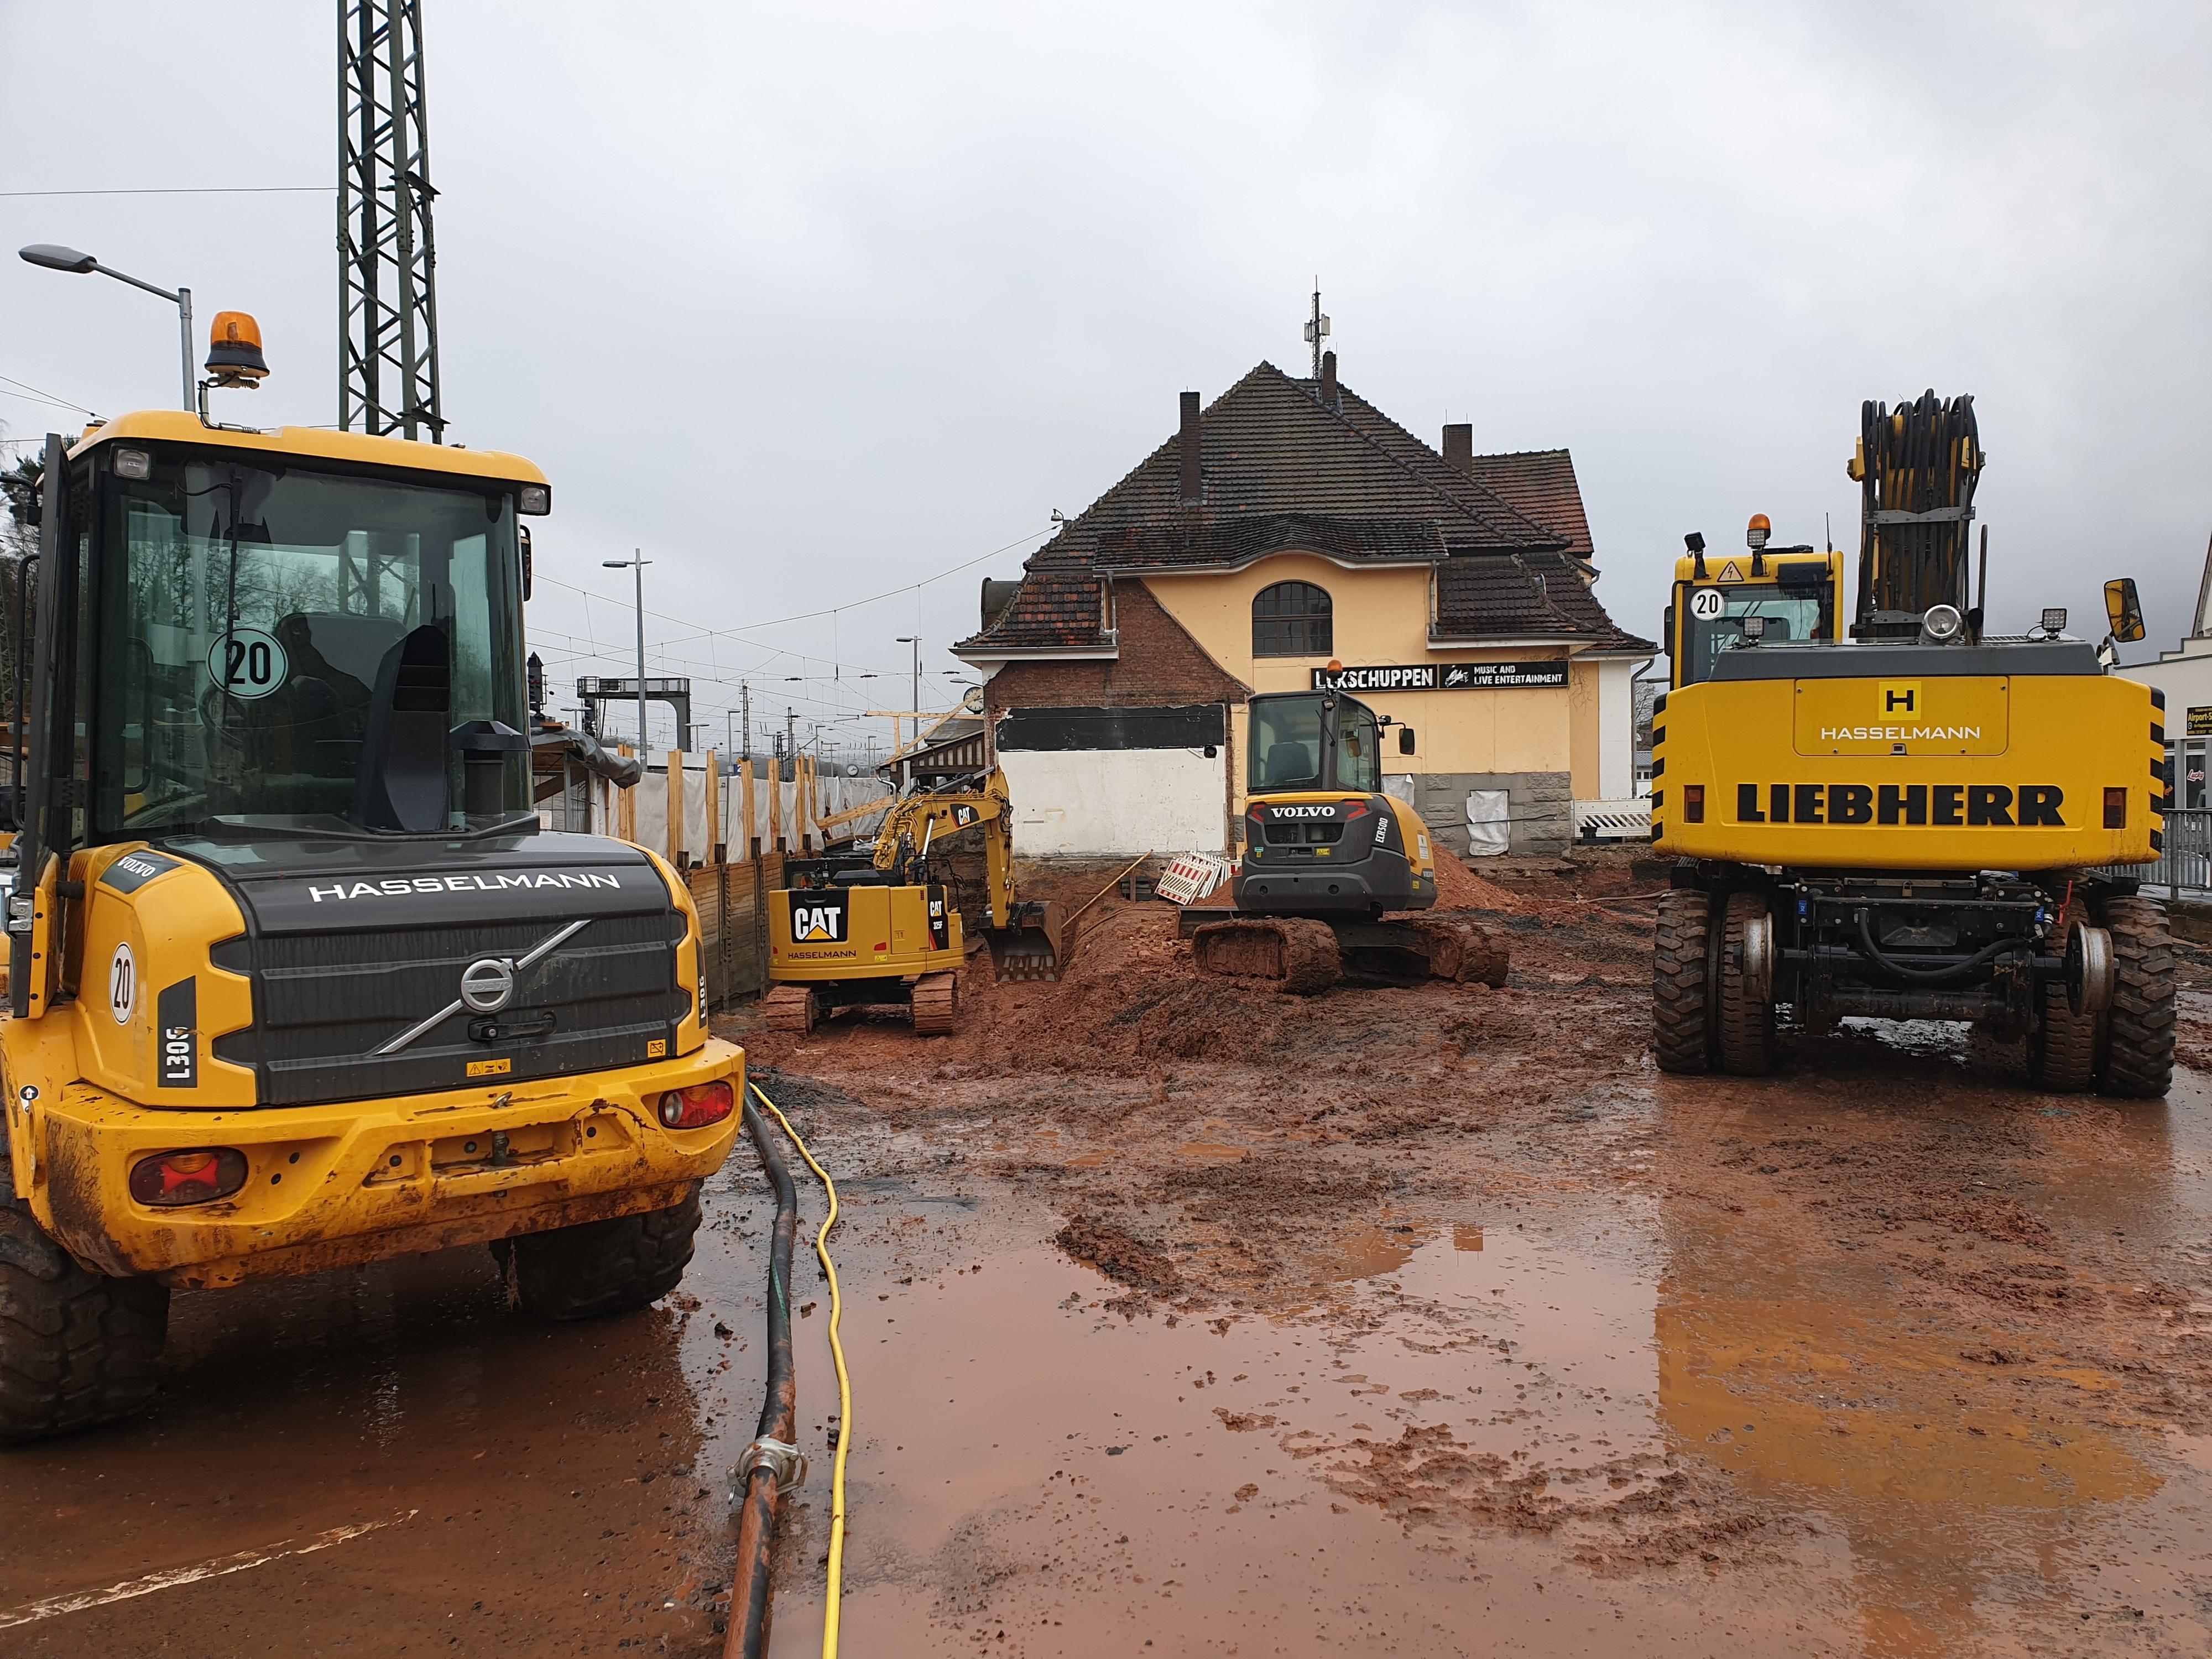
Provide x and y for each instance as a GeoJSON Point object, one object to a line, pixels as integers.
{"type": "Point", "coordinates": [793, 1009]}
{"type": "Point", "coordinates": [2137, 1061]}
{"type": "Point", "coordinates": [936, 1005]}
{"type": "Point", "coordinates": [1296, 952]}
{"type": "Point", "coordinates": [1682, 1003]}
{"type": "Point", "coordinates": [1746, 1009]}
{"type": "Point", "coordinates": [2061, 1050]}
{"type": "Point", "coordinates": [1462, 950]}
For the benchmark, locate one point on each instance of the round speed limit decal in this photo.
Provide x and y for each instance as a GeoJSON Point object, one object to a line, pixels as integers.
{"type": "Point", "coordinates": [123, 984]}
{"type": "Point", "coordinates": [247, 663]}
{"type": "Point", "coordinates": [1707, 603]}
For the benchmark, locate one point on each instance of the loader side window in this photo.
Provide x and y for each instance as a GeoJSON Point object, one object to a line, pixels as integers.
{"type": "Point", "coordinates": [1358, 748]}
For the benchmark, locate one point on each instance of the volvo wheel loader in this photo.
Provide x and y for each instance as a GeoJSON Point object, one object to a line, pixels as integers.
{"type": "Point", "coordinates": [1912, 818]}
{"type": "Point", "coordinates": [877, 931]}
{"type": "Point", "coordinates": [1328, 859]}
{"type": "Point", "coordinates": [295, 980]}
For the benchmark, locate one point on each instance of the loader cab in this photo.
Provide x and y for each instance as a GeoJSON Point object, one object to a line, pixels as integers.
{"type": "Point", "coordinates": [1304, 741]}
{"type": "Point", "coordinates": [1796, 593]}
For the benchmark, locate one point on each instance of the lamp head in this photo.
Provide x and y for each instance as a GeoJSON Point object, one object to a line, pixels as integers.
{"type": "Point", "coordinates": [54, 257]}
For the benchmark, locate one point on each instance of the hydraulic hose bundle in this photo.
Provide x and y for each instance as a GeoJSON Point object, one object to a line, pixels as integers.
{"type": "Point", "coordinates": [1916, 467]}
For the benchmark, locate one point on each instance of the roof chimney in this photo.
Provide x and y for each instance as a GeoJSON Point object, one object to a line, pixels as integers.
{"type": "Point", "coordinates": [1329, 397]}
{"type": "Point", "coordinates": [1191, 491]}
{"type": "Point", "coordinates": [1459, 446]}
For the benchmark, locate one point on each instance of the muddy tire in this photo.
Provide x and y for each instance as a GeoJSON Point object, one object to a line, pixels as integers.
{"type": "Point", "coordinates": [76, 1348]}
{"type": "Point", "coordinates": [1681, 1033]}
{"type": "Point", "coordinates": [936, 1005]}
{"type": "Point", "coordinates": [1745, 1011]}
{"type": "Point", "coordinates": [600, 1267]}
{"type": "Point", "coordinates": [795, 1010]}
{"type": "Point", "coordinates": [2137, 1062]}
{"type": "Point", "coordinates": [1296, 952]}
{"type": "Point", "coordinates": [2062, 1049]}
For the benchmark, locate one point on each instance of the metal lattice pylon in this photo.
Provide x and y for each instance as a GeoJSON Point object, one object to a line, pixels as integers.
{"type": "Point", "coordinates": [387, 260]}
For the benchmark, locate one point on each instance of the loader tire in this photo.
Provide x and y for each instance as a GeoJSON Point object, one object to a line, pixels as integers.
{"type": "Point", "coordinates": [1681, 1034]}
{"type": "Point", "coordinates": [600, 1267]}
{"type": "Point", "coordinates": [1746, 1014]}
{"type": "Point", "coordinates": [2137, 1062]}
{"type": "Point", "coordinates": [936, 1005]}
{"type": "Point", "coordinates": [77, 1348]}
{"type": "Point", "coordinates": [2062, 1049]}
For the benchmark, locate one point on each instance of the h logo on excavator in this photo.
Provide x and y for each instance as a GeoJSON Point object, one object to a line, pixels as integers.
{"type": "Point", "coordinates": [1900, 697]}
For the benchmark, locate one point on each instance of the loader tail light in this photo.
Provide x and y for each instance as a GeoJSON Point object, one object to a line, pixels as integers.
{"type": "Point", "coordinates": [696, 1106]}
{"type": "Point", "coordinates": [1355, 808]}
{"type": "Point", "coordinates": [168, 1179]}
{"type": "Point", "coordinates": [1694, 804]}
{"type": "Point", "coordinates": [2115, 809]}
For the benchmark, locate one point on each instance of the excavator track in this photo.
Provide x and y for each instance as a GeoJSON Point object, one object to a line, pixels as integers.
{"type": "Point", "coordinates": [793, 1009]}
{"type": "Point", "coordinates": [936, 1005]}
{"type": "Point", "coordinates": [1296, 952]}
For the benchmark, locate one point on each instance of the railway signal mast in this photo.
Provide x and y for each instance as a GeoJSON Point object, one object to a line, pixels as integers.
{"type": "Point", "coordinates": [387, 258]}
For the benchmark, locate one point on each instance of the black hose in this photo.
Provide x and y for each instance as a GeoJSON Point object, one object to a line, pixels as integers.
{"type": "Point", "coordinates": [1981, 959]}
{"type": "Point", "coordinates": [779, 1418]}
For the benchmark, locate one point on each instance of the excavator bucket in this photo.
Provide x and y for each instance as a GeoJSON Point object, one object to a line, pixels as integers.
{"type": "Point", "coordinates": [1034, 945]}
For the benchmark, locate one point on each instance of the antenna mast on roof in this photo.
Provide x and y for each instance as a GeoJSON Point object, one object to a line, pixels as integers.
{"type": "Point", "coordinates": [1316, 330]}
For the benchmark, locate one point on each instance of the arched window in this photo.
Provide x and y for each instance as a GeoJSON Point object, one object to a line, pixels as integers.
{"type": "Point", "coordinates": [1291, 619]}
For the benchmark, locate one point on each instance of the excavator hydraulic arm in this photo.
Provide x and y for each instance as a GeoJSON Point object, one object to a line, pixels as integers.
{"type": "Point", "coordinates": [1028, 941]}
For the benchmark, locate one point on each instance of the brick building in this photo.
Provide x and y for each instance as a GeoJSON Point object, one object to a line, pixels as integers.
{"type": "Point", "coordinates": [1290, 524]}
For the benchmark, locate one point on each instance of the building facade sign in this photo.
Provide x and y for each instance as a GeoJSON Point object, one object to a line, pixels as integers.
{"type": "Point", "coordinates": [1443, 677]}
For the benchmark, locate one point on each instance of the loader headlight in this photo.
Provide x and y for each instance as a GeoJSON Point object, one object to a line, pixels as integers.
{"type": "Point", "coordinates": [1942, 623]}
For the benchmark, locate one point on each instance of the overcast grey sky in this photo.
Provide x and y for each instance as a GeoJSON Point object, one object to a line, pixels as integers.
{"type": "Point", "coordinates": [813, 302]}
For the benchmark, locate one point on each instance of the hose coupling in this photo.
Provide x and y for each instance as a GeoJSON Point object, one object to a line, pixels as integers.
{"type": "Point", "coordinates": [779, 1457]}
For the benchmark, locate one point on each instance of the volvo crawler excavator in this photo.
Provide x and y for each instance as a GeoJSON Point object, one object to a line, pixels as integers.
{"type": "Point", "coordinates": [1331, 864]}
{"type": "Point", "coordinates": [295, 980]}
{"type": "Point", "coordinates": [1910, 817]}
{"type": "Point", "coordinates": [879, 932]}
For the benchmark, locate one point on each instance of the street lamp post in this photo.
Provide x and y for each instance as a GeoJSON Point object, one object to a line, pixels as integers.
{"type": "Point", "coordinates": [636, 563]}
{"type": "Point", "coordinates": [915, 640]}
{"type": "Point", "coordinates": [54, 258]}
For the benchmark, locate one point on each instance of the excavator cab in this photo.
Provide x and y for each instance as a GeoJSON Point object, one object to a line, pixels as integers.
{"type": "Point", "coordinates": [1768, 595]}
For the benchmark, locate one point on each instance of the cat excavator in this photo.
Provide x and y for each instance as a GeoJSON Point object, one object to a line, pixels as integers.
{"type": "Point", "coordinates": [875, 931]}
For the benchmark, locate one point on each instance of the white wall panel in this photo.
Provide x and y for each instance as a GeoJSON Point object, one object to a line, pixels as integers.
{"type": "Point", "coordinates": [1116, 803]}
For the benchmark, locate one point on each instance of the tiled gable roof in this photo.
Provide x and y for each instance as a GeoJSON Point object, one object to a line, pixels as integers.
{"type": "Point", "coordinates": [1280, 470]}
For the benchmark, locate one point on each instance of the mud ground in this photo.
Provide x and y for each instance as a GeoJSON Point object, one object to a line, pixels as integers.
{"type": "Point", "coordinates": [1187, 1317]}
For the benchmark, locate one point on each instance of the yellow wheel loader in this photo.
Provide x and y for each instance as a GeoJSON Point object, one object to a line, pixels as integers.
{"type": "Point", "coordinates": [876, 931]}
{"type": "Point", "coordinates": [1919, 821]}
{"type": "Point", "coordinates": [1328, 856]}
{"type": "Point", "coordinates": [296, 981]}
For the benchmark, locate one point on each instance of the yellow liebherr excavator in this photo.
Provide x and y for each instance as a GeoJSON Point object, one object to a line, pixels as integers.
{"type": "Point", "coordinates": [1920, 822]}
{"type": "Point", "coordinates": [877, 931]}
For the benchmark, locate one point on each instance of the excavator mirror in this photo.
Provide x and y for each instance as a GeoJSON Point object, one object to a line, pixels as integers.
{"type": "Point", "coordinates": [1405, 739]}
{"type": "Point", "coordinates": [2123, 609]}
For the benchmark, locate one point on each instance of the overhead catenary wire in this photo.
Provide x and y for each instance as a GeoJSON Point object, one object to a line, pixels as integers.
{"type": "Point", "coordinates": [833, 1605]}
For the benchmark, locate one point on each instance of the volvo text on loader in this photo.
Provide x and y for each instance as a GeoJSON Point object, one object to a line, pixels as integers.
{"type": "Point", "coordinates": [295, 981]}
{"type": "Point", "coordinates": [879, 932]}
{"type": "Point", "coordinates": [1923, 821]}
{"type": "Point", "coordinates": [1329, 859]}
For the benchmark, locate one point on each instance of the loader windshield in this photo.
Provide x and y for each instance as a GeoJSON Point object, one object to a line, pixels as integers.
{"type": "Point", "coordinates": [251, 616]}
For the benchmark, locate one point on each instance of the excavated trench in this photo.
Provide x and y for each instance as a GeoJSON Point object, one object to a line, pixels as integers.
{"type": "Point", "coordinates": [1185, 1313]}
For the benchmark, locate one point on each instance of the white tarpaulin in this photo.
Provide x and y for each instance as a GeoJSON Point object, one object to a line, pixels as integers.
{"type": "Point", "coordinates": [1489, 823]}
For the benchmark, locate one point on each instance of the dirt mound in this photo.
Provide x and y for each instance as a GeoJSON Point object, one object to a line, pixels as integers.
{"type": "Point", "coordinates": [1118, 1254]}
{"type": "Point", "coordinates": [1459, 888]}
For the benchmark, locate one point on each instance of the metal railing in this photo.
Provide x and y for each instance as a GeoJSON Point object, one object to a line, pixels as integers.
{"type": "Point", "coordinates": [2185, 862]}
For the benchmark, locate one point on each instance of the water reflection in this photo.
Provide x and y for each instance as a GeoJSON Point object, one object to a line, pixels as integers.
{"type": "Point", "coordinates": [1975, 1453]}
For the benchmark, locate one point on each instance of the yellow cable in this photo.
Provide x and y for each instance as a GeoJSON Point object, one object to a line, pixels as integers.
{"type": "Point", "coordinates": [844, 1389]}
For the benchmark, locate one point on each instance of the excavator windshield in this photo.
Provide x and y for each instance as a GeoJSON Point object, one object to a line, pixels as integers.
{"type": "Point", "coordinates": [1710, 616]}
{"type": "Point", "coordinates": [262, 629]}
